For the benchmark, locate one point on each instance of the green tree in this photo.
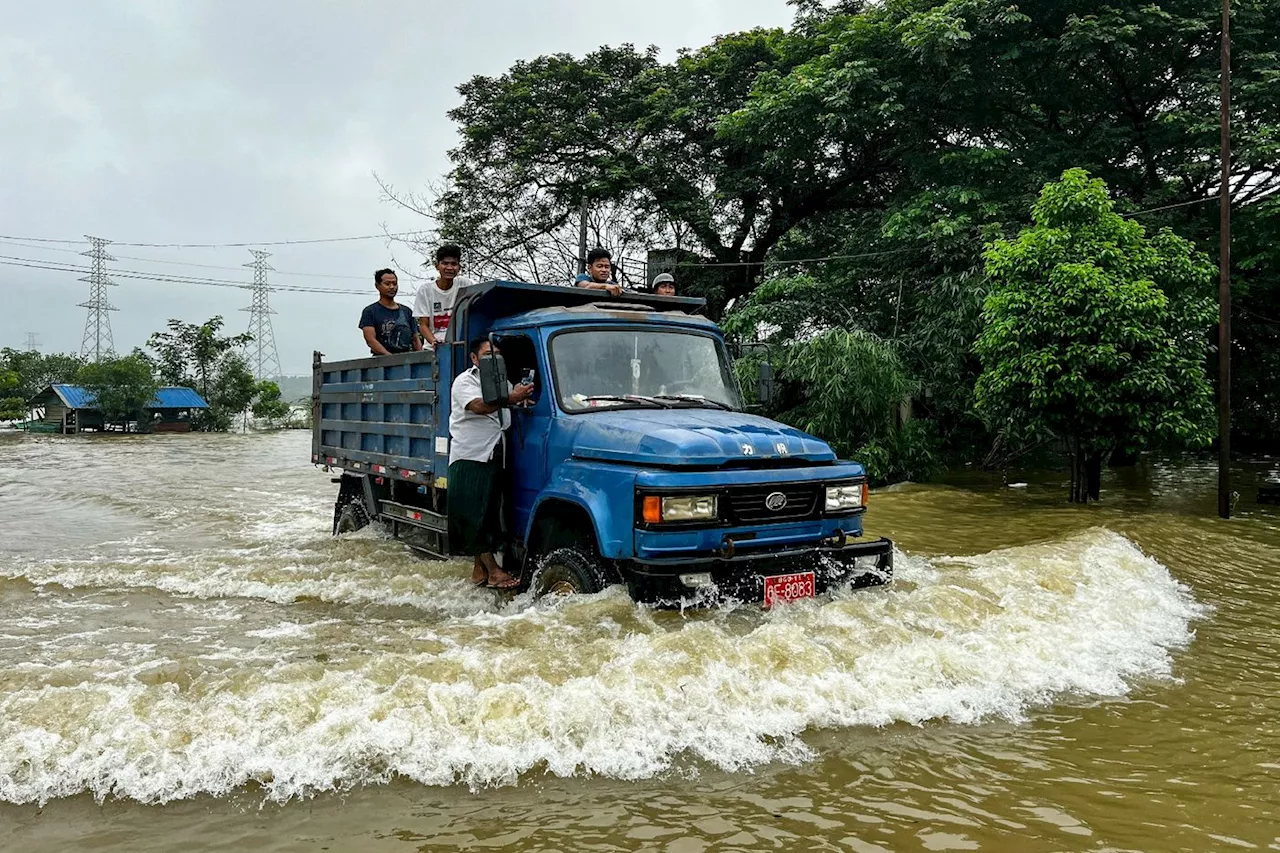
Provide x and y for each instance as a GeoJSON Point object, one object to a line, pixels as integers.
{"type": "Point", "coordinates": [983, 121]}
{"type": "Point", "coordinates": [232, 389]}
{"type": "Point", "coordinates": [900, 137]}
{"type": "Point", "coordinates": [1094, 334]}
{"type": "Point", "coordinates": [13, 406]}
{"type": "Point", "coordinates": [197, 356]}
{"type": "Point", "coordinates": [122, 389]}
{"type": "Point", "coordinates": [37, 371]}
{"type": "Point", "coordinates": [268, 404]}
{"type": "Point", "coordinates": [660, 141]}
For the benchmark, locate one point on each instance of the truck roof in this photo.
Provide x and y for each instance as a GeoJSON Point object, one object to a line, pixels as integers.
{"type": "Point", "coordinates": [518, 304]}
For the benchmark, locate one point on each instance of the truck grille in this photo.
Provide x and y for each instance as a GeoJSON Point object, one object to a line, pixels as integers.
{"type": "Point", "coordinates": [752, 503]}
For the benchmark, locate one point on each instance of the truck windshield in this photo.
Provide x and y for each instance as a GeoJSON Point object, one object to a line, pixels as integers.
{"type": "Point", "coordinates": [621, 368]}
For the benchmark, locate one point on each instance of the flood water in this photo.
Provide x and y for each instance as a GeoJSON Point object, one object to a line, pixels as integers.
{"type": "Point", "coordinates": [188, 660]}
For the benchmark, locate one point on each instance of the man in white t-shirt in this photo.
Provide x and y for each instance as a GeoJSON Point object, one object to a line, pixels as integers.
{"type": "Point", "coordinates": [433, 304]}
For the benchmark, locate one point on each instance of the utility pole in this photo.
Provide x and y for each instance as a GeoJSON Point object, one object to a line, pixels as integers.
{"type": "Point", "coordinates": [1224, 279]}
{"type": "Point", "coordinates": [582, 236]}
{"type": "Point", "coordinates": [264, 359]}
{"type": "Point", "coordinates": [96, 343]}
{"type": "Point", "coordinates": [32, 343]}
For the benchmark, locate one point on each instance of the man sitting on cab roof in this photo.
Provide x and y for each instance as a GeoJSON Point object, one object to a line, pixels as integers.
{"type": "Point", "coordinates": [664, 284]}
{"type": "Point", "coordinates": [600, 269]}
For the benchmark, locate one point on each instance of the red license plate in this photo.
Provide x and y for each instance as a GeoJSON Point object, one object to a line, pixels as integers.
{"type": "Point", "coordinates": [780, 589]}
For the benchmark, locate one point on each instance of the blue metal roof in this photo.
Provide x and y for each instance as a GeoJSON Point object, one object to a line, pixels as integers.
{"type": "Point", "coordinates": [168, 397]}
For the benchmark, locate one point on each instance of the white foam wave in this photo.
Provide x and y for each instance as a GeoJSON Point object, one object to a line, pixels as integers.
{"type": "Point", "coordinates": [599, 686]}
{"type": "Point", "coordinates": [355, 570]}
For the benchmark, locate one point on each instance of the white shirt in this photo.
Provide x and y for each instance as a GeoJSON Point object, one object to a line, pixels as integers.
{"type": "Point", "coordinates": [436, 304]}
{"type": "Point", "coordinates": [473, 437]}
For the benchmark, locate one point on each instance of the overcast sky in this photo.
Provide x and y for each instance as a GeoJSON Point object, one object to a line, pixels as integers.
{"type": "Point", "coordinates": [218, 121]}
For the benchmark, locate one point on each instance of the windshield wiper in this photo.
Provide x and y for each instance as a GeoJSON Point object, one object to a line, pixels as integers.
{"type": "Point", "coordinates": [629, 398]}
{"type": "Point", "coordinates": [693, 398]}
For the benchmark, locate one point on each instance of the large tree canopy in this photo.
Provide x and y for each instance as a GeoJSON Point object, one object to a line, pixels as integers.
{"type": "Point", "coordinates": [892, 140]}
{"type": "Point", "coordinates": [670, 143]}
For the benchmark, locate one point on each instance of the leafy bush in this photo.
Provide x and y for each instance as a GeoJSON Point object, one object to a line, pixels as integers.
{"type": "Point", "coordinates": [842, 384]}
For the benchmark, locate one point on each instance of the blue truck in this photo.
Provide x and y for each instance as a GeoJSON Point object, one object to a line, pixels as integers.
{"type": "Point", "coordinates": [635, 462]}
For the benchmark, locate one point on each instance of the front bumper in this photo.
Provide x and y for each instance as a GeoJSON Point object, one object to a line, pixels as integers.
{"type": "Point", "coordinates": [738, 572]}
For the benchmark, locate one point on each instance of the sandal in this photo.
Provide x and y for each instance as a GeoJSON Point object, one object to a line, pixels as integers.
{"type": "Point", "coordinates": [510, 583]}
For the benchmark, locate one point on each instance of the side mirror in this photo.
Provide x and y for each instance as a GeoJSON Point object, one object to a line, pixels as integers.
{"type": "Point", "coordinates": [764, 388]}
{"type": "Point", "coordinates": [493, 380]}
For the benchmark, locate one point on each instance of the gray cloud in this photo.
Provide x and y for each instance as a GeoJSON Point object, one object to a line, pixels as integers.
{"type": "Point", "coordinates": [212, 121]}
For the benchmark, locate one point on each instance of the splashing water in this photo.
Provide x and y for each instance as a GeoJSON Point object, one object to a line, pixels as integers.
{"type": "Point", "coordinates": [221, 646]}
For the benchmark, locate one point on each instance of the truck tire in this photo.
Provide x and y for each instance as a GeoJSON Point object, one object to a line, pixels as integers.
{"type": "Point", "coordinates": [349, 517]}
{"type": "Point", "coordinates": [568, 571]}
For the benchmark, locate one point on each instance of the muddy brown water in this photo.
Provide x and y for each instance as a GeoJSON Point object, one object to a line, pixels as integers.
{"type": "Point", "coordinates": [189, 661]}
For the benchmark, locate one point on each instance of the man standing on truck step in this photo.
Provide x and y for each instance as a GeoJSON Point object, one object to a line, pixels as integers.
{"type": "Point", "coordinates": [433, 304]}
{"type": "Point", "coordinates": [477, 461]}
{"type": "Point", "coordinates": [387, 325]}
{"type": "Point", "coordinates": [600, 270]}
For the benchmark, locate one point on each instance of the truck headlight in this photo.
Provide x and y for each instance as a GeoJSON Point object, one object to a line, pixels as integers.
{"type": "Point", "coordinates": [658, 509]}
{"type": "Point", "coordinates": [847, 497]}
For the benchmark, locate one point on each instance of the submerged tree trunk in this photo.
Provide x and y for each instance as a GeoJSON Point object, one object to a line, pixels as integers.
{"type": "Point", "coordinates": [1078, 494]}
{"type": "Point", "coordinates": [1093, 475]}
{"type": "Point", "coordinates": [1086, 472]}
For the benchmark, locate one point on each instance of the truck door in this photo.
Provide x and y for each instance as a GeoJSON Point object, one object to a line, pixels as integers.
{"type": "Point", "coordinates": [530, 425]}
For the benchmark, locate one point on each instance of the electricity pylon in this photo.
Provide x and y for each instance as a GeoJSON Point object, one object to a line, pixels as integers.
{"type": "Point", "coordinates": [96, 343]}
{"type": "Point", "coordinates": [263, 357]}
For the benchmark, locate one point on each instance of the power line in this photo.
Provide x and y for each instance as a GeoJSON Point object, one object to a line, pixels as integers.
{"type": "Point", "coordinates": [1168, 206]}
{"type": "Point", "coordinates": [266, 359]}
{"type": "Point", "coordinates": [96, 343]}
{"type": "Point", "coordinates": [246, 245]}
{"type": "Point", "coordinates": [33, 342]}
{"type": "Point", "coordinates": [143, 275]}
{"type": "Point", "coordinates": [402, 234]}
{"type": "Point", "coordinates": [790, 261]}
{"type": "Point", "coordinates": [175, 263]}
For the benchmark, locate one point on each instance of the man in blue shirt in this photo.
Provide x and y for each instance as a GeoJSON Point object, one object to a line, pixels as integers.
{"type": "Point", "coordinates": [387, 325]}
{"type": "Point", "coordinates": [599, 275]}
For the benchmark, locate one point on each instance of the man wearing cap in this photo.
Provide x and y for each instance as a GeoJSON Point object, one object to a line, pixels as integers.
{"type": "Point", "coordinates": [433, 304]}
{"type": "Point", "coordinates": [664, 284]}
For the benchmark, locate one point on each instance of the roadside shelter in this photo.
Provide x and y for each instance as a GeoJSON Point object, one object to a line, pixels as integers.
{"type": "Point", "coordinates": [70, 409]}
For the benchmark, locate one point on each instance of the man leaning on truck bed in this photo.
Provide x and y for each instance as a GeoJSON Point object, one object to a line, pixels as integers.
{"type": "Point", "coordinates": [433, 304]}
{"type": "Point", "coordinates": [476, 470]}
{"type": "Point", "coordinates": [388, 327]}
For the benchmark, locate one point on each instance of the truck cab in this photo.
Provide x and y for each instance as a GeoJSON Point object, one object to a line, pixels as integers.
{"type": "Point", "coordinates": [634, 462]}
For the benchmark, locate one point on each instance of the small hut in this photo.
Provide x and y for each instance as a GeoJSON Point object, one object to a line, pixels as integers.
{"type": "Point", "coordinates": [70, 409]}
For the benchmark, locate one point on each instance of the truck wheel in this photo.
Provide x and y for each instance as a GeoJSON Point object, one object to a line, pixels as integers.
{"type": "Point", "coordinates": [349, 518]}
{"type": "Point", "coordinates": [568, 571]}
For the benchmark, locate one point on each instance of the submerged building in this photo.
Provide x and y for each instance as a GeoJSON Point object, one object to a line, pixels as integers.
{"type": "Point", "coordinates": [70, 409]}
